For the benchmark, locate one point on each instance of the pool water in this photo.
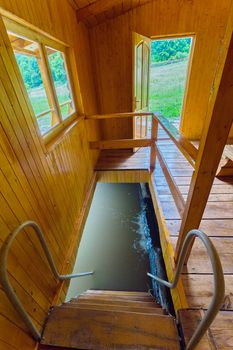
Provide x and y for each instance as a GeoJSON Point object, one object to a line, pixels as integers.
{"type": "Point", "coordinates": [116, 241]}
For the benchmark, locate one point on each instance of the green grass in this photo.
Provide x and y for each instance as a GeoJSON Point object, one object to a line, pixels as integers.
{"type": "Point", "coordinates": [40, 104]}
{"type": "Point", "coordinates": [167, 84]}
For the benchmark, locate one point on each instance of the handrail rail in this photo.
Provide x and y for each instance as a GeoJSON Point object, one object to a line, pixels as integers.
{"type": "Point", "coordinates": [7, 287]}
{"type": "Point", "coordinates": [119, 115]}
{"type": "Point", "coordinates": [219, 283]}
{"type": "Point", "coordinates": [184, 145]}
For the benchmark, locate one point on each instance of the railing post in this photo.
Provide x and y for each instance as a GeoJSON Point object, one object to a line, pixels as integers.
{"type": "Point", "coordinates": [154, 136]}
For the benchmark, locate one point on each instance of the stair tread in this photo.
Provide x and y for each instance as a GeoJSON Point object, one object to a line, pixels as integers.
{"type": "Point", "coordinates": [149, 310]}
{"type": "Point", "coordinates": [116, 302]}
{"type": "Point", "coordinates": [118, 297]}
{"type": "Point", "coordinates": [116, 292]}
{"type": "Point", "coordinates": [90, 329]}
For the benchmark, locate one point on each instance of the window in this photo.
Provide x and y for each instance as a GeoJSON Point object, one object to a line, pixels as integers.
{"type": "Point", "coordinates": [45, 75]}
{"type": "Point", "coordinates": [61, 82]}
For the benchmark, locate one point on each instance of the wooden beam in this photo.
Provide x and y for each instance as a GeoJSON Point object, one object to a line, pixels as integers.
{"type": "Point", "coordinates": [178, 198]}
{"type": "Point", "coordinates": [214, 137]}
{"type": "Point", "coordinates": [120, 144]}
{"type": "Point", "coordinates": [184, 145]}
{"type": "Point", "coordinates": [225, 168]}
{"type": "Point", "coordinates": [226, 164]}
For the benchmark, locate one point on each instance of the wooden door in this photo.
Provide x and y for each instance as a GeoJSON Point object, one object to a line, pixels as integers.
{"type": "Point", "coordinates": [141, 79]}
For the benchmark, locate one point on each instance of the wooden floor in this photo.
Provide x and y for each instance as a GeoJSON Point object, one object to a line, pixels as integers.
{"type": "Point", "coordinates": [217, 223]}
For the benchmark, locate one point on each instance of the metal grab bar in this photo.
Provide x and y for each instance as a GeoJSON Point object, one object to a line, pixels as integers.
{"type": "Point", "coordinates": [7, 287]}
{"type": "Point", "coordinates": [219, 284]}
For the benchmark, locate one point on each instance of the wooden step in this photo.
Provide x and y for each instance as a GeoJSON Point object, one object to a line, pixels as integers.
{"type": "Point", "coordinates": [149, 310]}
{"type": "Point", "coordinates": [50, 347]}
{"type": "Point", "coordinates": [116, 297]}
{"type": "Point", "coordinates": [89, 329]}
{"type": "Point", "coordinates": [115, 302]}
{"type": "Point", "coordinates": [116, 292]}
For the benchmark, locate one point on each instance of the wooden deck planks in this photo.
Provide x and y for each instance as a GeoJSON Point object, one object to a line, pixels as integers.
{"type": "Point", "coordinates": [199, 261]}
{"type": "Point", "coordinates": [219, 335]}
{"type": "Point", "coordinates": [123, 160]}
{"type": "Point", "coordinates": [199, 290]}
{"type": "Point", "coordinates": [212, 227]}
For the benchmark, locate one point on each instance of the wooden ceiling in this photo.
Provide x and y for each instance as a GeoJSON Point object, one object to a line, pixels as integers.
{"type": "Point", "coordinates": [93, 12]}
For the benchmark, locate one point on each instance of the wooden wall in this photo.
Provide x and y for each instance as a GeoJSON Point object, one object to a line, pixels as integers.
{"type": "Point", "coordinates": [111, 44]}
{"type": "Point", "coordinates": [45, 185]}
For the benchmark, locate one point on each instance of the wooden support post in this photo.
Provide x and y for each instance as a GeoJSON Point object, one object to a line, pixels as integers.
{"type": "Point", "coordinates": [214, 137]}
{"type": "Point", "coordinates": [154, 136]}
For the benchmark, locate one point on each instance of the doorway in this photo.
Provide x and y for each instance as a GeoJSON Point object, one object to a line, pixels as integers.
{"type": "Point", "coordinates": [169, 69]}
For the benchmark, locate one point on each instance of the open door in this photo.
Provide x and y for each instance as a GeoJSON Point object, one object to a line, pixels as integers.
{"type": "Point", "coordinates": [141, 79]}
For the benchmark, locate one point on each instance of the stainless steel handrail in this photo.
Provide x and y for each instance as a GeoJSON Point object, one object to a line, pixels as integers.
{"type": "Point", "coordinates": [7, 287]}
{"type": "Point", "coordinates": [219, 283]}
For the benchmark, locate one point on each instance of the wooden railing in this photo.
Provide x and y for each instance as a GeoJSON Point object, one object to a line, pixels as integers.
{"type": "Point", "coordinates": [128, 143]}
{"type": "Point", "coordinates": [184, 145]}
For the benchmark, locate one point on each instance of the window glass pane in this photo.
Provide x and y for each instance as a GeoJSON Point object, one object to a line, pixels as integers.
{"type": "Point", "coordinates": [145, 79]}
{"type": "Point", "coordinates": [61, 81]}
{"type": "Point", "coordinates": [45, 122]}
{"type": "Point", "coordinates": [139, 77]}
{"type": "Point", "coordinates": [28, 57]}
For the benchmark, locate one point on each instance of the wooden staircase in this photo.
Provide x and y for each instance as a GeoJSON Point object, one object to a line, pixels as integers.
{"type": "Point", "coordinates": [100, 319]}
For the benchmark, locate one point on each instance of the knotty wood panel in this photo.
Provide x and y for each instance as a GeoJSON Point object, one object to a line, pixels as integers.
{"type": "Point", "coordinates": [47, 185]}
{"type": "Point", "coordinates": [111, 44]}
